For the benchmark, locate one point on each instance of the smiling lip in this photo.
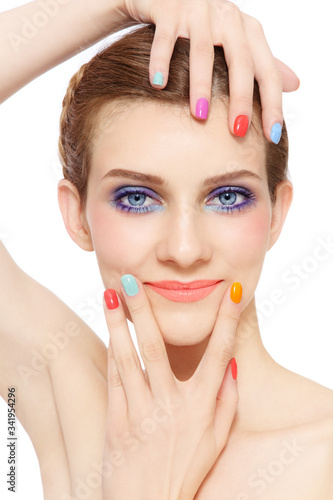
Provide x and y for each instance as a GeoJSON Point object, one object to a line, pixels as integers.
{"type": "Point", "coordinates": [184, 292]}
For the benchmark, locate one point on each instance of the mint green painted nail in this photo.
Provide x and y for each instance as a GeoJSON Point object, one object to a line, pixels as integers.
{"type": "Point", "coordinates": [129, 284]}
{"type": "Point", "coordinates": [158, 78]}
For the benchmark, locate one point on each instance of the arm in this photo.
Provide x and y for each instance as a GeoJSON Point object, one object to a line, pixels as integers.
{"type": "Point", "coordinates": [42, 34]}
{"type": "Point", "coordinates": [58, 368]}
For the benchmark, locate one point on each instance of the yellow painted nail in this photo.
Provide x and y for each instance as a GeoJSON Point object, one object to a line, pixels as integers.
{"type": "Point", "coordinates": [236, 292]}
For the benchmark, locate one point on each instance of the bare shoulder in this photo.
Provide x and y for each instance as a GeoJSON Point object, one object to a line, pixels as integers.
{"type": "Point", "coordinates": [317, 431]}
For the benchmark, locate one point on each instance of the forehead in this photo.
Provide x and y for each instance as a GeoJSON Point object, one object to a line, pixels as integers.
{"type": "Point", "coordinates": [167, 140]}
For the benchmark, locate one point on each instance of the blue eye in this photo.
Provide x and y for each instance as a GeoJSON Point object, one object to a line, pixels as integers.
{"type": "Point", "coordinates": [136, 197]}
{"type": "Point", "coordinates": [228, 196]}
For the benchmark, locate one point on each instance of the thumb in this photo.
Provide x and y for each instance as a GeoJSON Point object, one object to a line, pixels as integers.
{"type": "Point", "coordinates": [226, 405]}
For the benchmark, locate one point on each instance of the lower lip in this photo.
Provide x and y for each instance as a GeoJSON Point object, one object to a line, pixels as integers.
{"type": "Point", "coordinates": [185, 295]}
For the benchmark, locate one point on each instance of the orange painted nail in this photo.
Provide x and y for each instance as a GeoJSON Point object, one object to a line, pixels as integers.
{"type": "Point", "coordinates": [236, 292]}
{"type": "Point", "coordinates": [234, 368]}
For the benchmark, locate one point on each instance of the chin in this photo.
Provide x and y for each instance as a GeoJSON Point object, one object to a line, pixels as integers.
{"type": "Point", "coordinates": [185, 328]}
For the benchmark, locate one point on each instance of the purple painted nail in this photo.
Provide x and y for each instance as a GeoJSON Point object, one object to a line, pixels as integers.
{"type": "Point", "coordinates": [202, 108]}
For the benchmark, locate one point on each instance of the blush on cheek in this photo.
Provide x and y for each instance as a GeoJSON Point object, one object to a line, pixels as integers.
{"type": "Point", "coordinates": [249, 241]}
{"type": "Point", "coordinates": [120, 243]}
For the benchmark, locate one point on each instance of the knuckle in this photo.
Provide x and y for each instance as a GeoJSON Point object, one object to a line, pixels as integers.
{"type": "Point", "coordinates": [137, 307]}
{"type": "Point", "coordinates": [204, 48]}
{"type": "Point", "coordinates": [272, 77]}
{"type": "Point", "coordinates": [243, 101]}
{"type": "Point", "coordinates": [114, 380]}
{"type": "Point", "coordinates": [276, 112]}
{"type": "Point", "coordinates": [164, 36]}
{"type": "Point", "coordinates": [128, 362]}
{"type": "Point", "coordinates": [223, 357]}
{"type": "Point", "coordinates": [152, 350]}
{"type": "Point", "coordinates": [244, 59]}
{"type": "Point", "coordinates": [116, 322]}
{"type": "Point", "coordinates": [229, 7]}
{"type": "Point", "coordinates": [253, 23]}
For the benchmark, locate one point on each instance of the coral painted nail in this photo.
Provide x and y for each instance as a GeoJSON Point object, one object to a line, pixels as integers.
{"type": "Point", "coordinates": [236, 292]}
{"type": "Point", "coordinates": [234, 368]}
{"type": "Point", "coordinates": [241, 125]}
{"type": "Point", "coordinates": [111, 299]}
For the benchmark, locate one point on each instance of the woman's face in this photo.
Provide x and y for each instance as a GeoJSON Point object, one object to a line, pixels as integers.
{"type": "Point", "coordinates": [195, 223]}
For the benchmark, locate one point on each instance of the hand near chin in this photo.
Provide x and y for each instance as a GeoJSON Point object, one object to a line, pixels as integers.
{"type": "Point", "coordinates": [163, 436]}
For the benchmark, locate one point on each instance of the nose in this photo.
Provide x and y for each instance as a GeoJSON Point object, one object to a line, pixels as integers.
{"type": "Point", "coordinates": [183, 238]}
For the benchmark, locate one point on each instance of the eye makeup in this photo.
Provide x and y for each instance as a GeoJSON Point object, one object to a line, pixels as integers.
{"type": "Point", "coordinates": [137, 196]}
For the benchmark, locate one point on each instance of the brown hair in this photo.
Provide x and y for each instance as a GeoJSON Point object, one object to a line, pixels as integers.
{"type": "Point", "coordinates": [119, 74]}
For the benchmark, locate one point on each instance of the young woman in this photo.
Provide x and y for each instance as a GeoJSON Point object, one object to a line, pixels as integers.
{"type": "Point", "coordinates": [179, 432]}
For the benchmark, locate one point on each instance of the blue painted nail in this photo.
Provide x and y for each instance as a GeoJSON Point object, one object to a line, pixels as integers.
{"type": "Point", "coordinates": [158, 78]}
{"type": "Point", "coordinates": [129, 284]}
{"type": "Point", "coordinates": [276, 133]}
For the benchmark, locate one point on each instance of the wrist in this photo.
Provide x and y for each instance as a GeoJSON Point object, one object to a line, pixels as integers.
{"type": "Point", "coordinates": [109, 16]}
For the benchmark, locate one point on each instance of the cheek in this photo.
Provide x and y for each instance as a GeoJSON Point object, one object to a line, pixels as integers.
{"type": "Point", "coordinates": [248, 241]}
{"type": "Point", "coordinates": [119, 244]}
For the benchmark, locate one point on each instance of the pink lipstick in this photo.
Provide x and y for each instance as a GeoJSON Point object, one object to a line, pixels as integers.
{"type": "Point", "coordinates": [184, 292]}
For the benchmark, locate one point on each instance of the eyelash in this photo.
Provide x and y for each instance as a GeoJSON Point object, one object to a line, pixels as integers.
{"type": "Point", "coordinates": [123, 192]}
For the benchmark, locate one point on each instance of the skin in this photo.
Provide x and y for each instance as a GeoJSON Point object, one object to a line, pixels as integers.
{"type": "Point", "coordinates": [182, 243]}
{"type": "Point", "coordinates": [185, 241]}
{"type": "Point", "coordinates": [275, 405]}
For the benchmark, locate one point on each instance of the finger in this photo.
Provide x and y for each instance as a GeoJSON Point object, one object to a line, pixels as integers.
{"type": "Point", "coordinates": [201, 66]}
{"type": "Point", "coordinates": [210, 371]}
{"type": "Point", "coordinates": [226, 405]}
{"type": "Point", "coordinates": [291, 82]}
{"type": "Point", "coordinates": [124, 353]}
{"type": "Point", "coordinates": [150, 340]}
{"type": "Point", "coordinates": [117, 403]}
{"type": "Point", "coordinates": [269, 79]}
{"type": "Point", "coordinates": [241, 68]}
{"type": "Point", "coordinates": [160, 53]}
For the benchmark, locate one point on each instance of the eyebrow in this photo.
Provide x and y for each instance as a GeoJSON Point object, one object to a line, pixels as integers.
{"type": "Point", "coordinates": [160, 181]}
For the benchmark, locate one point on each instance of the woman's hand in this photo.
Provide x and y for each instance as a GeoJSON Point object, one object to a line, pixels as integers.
{"type": "Point", "coordinates": [221, 23]}
{"type": "Point", "coordinates": [164, 435]}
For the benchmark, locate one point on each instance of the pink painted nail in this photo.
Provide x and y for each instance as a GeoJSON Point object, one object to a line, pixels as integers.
{"type": "Point", "coordinates": [202, 108]}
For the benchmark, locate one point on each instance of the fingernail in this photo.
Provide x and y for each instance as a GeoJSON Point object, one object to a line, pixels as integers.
{"type": "Point", "coordinates": [241, 124]}
{"type": "Point", "coordinates": [129, 284]}
{"type": "Point", "coordinates": [201, 110]}
{"type": "Point", "coordinates": [234, 368]}
{"type": "Point", "coordinates": [236, 292]}
{"type": "Point", "coordinates": [111, 299]}
{"type": "Point", "coordinates": [276, 132]}
{"type": "Point", "coordinates": [158, 78]}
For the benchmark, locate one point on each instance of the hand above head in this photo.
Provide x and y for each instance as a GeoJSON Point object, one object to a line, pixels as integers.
{"type": "Point", "coordinates": [217, 23]}
{"type": "Point", "coordinates": [206, 24]}
{"type": "Point", "coordinates": [163, 435]}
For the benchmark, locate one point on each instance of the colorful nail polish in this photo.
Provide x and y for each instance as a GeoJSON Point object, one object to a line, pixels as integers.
{"type": "Point", "coordinates": [111, 299]}
{"type": "Point", "coordinates": [201, 110]}
{"type": "Point", "coordinates": [276, 132]}
{"type": "Point", "coordinates": [236, 292]}
{"type": "Point", "coordinates": [234, 368]}
{"type": "Point", "coordinates": [158, 78]}
{"type": "Point", "coordinates": [129, 284]}
{"type": "Point", "coordinates": [240, 126]}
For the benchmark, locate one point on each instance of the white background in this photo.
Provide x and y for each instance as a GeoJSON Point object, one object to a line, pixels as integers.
{"type": "Point", "coordinates": [298, 333]}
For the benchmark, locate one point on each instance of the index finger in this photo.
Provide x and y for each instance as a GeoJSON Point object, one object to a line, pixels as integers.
{"type": "Point", "coordinates": [210, 371]}
{"type": "Point", "coordinates": [149, 338]}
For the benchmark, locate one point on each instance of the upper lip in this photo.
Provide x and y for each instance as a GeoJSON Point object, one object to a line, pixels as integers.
{"type": "Point", "coordinates": [178, 285]}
